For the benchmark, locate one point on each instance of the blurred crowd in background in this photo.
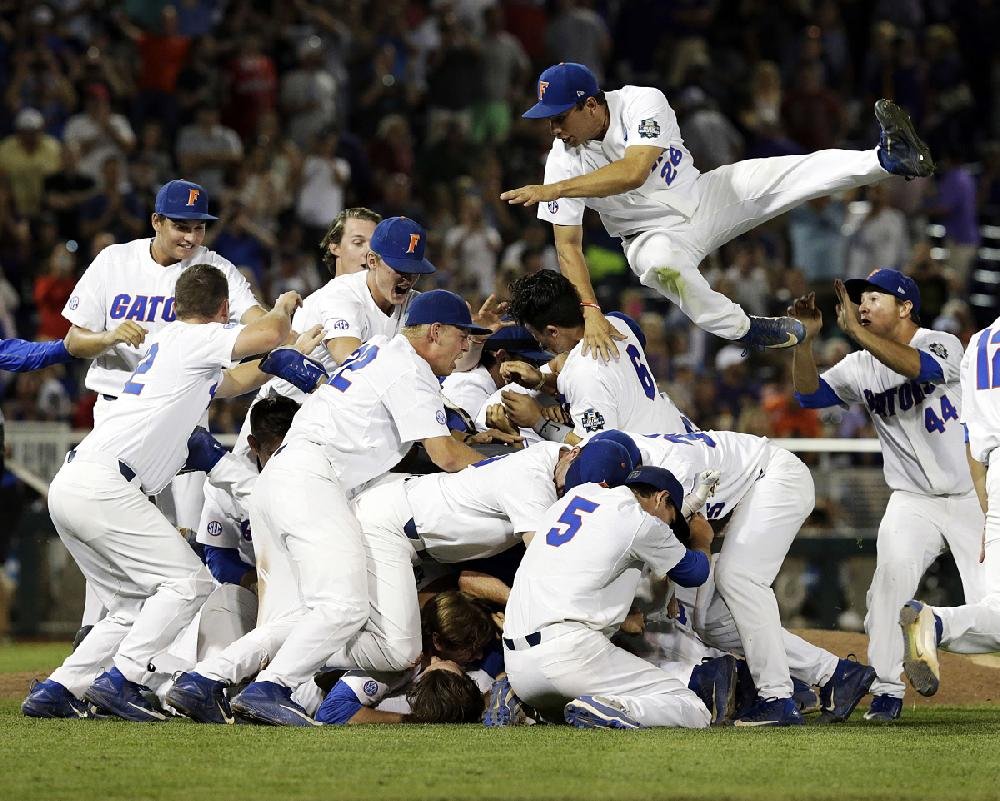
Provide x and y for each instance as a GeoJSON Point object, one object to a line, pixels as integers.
{"type": "Point", "coordinates": [289, 110]}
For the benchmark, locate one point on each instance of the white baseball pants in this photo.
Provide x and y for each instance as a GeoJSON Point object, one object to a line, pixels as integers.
{"type": "Point", "coordinates": [914, 531]}
{"type": "Point", "coordinates": [572, 660]}
{"type": "Point", "coordinates": [143, 572]}
{"type": "Point", "coordinates": [757, 537]}
{"type": "Point", "coordinates": [300, 501]}
{"type": "Point", "coordinates": [736, 198]}
{"type": "Point", "coordinates": [975, 627]}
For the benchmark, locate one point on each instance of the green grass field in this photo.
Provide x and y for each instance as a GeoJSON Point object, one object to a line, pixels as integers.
{"type": "Point", "coordinates": [944, 753]}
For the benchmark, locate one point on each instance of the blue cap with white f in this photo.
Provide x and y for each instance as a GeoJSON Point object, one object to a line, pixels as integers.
{"type": "Point", "coordinates": [400, 242]}
{"type": "Point", "coordinates": [183, 200]}
{"type": "Point", "coordinates": [561, 87]}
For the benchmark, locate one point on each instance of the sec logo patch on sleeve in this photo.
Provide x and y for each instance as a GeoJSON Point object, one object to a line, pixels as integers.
{"type": "Point", "coordinates": [215, 528]}
{"type": "Point", "coordinates": [340, 325]}
{"type": "Point", "coordinates": [370, 688]}
{"type": "Point", "coordinates": [440, 416]}
{"type": "Point", "coordinates": [74, 302]}
{"type": "Point", "coordinates": [553, 206]}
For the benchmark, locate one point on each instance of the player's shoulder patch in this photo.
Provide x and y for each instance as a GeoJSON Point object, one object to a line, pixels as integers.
{"type": "Point", "coordinates": [340, 325]}
{"type": "Point", "coordinates": [440, 416]}
{"type": "Point", "coordinates": [592, 420]}
{"type": "Point", "coordinates": [74, 302]}
{"type": "Point", "coordinates": [370, 688]}
{"type": "Point", "coordinates": [938, 350]}
{"type": "Point", "coordinates": [230, 325]}
{"type": "Point", "coordinates": [553, 206]}
{"type": "Point", "coordinates": [214, 528]}
{"type": "Point", "coordinates": [649, 129]}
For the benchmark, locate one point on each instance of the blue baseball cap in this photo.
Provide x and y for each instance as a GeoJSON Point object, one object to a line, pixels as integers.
{"type": "Point", "coordinates": [662, 479]}
{"type": "Point", "coordinates": [560, 87]}
{"type": "Point", "coordinates": [400, 242]}
{"type": "Point", "coordinates": [623, 439]}
{"type": "Point", "coordinates": [442, 306]}
{"type": "Point", "coordinates": [517, 339]}
{"type": "Point", "coordinates": [892, 282]}
{"type": "Point", "coordinates": [600, 462]}
{"type": "Point", "coordinates": [183, 200]}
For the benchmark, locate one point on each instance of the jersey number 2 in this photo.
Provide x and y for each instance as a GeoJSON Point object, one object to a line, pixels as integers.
{"type": "Point", "coordinates": [133, 387]}
{"type": "Point", "coordinates": [571, 519]}
{"type": "Point", "coordinates": [362, 356]}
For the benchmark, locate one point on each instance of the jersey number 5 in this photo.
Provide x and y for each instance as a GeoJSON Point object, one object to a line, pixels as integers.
{"type": "Point", "coordinates": [571, 519]}
{"type": "Point", "coordinates": [133, 387]}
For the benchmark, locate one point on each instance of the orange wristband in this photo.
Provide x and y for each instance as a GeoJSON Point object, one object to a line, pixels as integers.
{"type": "Point", "coordinates": [590, 304]}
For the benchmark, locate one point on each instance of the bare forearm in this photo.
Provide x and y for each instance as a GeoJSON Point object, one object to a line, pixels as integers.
{"type": "Point", "coordinates": [898, 357]}
{"type": "Point", "coordinates": [242, 379]}
{"type": "Point", "coordinates": [368, 715]}
{"type": "Point", "coordinates": [86, 344]}
{"type": "Point", "coordinates": [481, 585]}
{"type": "Point", "coordinates": [611, 179]}
{"type": "Point", "coordinates": [978, 471]}
{"type": "Point", "coordinates": [573, 265]}
{"type": "Point", "coordinates": [805, 376]}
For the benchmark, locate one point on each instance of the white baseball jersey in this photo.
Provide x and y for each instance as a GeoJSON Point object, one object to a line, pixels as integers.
{"type": "Point", "coordinates": [584, 563]}
{"type": "Point", "coordinates": [469, 390]}
{"type": "Point", "coordinates": [529, 435]}
{"type": "Point", "coordinates": [738, 457]}
{"type": "Point", "coordinates": [619, 393]}
{"type": "Point", "coordinates": [923, 445]}
{"type": "Point", "coordinates": [345, 308]}
{"type": "Point", "coordinates": [147, 428]}
{"type": "Point", "coordinates": [381, 400]}
{"type": "Point", "coordinates": [124, 283]}
{"type": "Point", "coordinates": [639, 116]}
{"type": "Point", "coordinates": [485, 508]}
{"type": "Point", "coordinates": [225, 524]}
{"type": "Point", "coordinates": [980, 377]}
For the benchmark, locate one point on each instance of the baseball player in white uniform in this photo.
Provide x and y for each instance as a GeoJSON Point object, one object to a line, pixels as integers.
{"type": "Point", "coordinates": [575, 586]}
{"type": "Point", "coordinates": [147, 577]}
{"type": "Point", "coordinates": [617, 393]}
{"type": "Point", "coordinates": [126, 294]}
{"type": "Point", "coordinates": [353, 429]}
{"type": "Point", "coordinates": [975, 627]}
{"type": "Point", "coordinates": [767, 493]}
{"type": "Point", "coordinates": [908, 379]}
{"type": "Point", "coordinates": [621, 153]}
{"type": "Point", "coordinates": [345, 245]}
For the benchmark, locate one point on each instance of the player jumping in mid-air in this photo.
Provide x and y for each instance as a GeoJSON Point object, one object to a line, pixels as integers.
{"type": "Point", "coordinates": [621, 153]}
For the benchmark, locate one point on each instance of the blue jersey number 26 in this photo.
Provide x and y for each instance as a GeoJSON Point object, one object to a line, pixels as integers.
{"type": "Point", "coordinates": [571, 519]}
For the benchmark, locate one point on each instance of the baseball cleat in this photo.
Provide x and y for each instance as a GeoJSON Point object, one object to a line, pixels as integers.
{"type": "Point", "coordinates": [200, 698]}
{"type": "Point", "coordinates": [270, 704]}
{"type": "Point", "coordinates": [849, 683]}
{"type": "Point", "coordinates": [598, 712]}
{"type": "Point", "coordinates": [900, 150]}
{"type": "Point", "coordinates": [113, 694]}
{"type": "Point", "coordinates": [772, 332]}
{"type": "Point", "coordinates": [920, 641]}
{"type": "Point", "coordinates": [714, 682]}
{"type": "Point", "coordinates": [806, 700]}
{"type": "Point", "coordinates": [80, 636]}
{"type": "Point", "coordinates": [504, 707]}
{"type": "Point", "coordinates": [771, 712]}
{"type": "Point", "coordinates": [49, 699]}
{"type": "Point", "coordinates": [884, 709]}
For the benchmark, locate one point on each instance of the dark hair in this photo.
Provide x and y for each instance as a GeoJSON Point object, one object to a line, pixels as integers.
{"type": "Point", "coordinates": [336, 232]}
{"type": "Point", "coordinates": [443, 696]}
{"type": "Point", "coordinates": [270, 419]}
{"type": "Point", "coordinates": [200, 291]}
{"type": "Point", "coordinates": [460, 622]}
{"type": "Point", "coordinates": [598, 96]}
{"type": "Point", "coordinates": [545, 298]}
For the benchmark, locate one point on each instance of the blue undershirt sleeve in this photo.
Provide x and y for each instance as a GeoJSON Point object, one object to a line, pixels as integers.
{"type": "Point", "coordinates": [820, 399]}
{"type": "Point", "coordinates": [225, 564]}
{"type": "Point", "coordinates": [930, 369]}
{"type": "Point", "coordinates": [21, 356]}
{"type": "Point", "coordinates": [340, 705]}
{"type": "Point", "coordinates": [691, 571]}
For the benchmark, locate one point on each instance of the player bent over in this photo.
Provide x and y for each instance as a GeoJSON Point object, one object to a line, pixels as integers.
{"type": "Point", "coordinates": [147, 577]}
{"type": "Point", "coordinates": [975, 627]}
{"type": "Point", "coordinates": [621, 153]}
{"type": "Point", "coordinates": [908, 379]}
{"type": "Point", "coordinates": [574, 588]}
{"type": "Point", "coordinates": [354, 428]}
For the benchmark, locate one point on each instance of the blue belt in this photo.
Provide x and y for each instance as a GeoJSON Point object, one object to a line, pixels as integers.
{"type": "Point", "coordinates": [127, 472]}
{"type": "Point", "coordinates": [410, 530]}
{"type": "Point", "coordinates": [522, 643]}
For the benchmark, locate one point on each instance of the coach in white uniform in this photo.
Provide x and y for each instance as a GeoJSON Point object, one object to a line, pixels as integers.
{"type": "Point", "coordinates": [621, 153]}
{"type": "Point", "coordinates": [618, 393]}
{"type": "Point", "coordinates": [381, 400]}
{"type": "Point", "coordinates": [908, 378]}
{"type": "Point", "coordinates": [147, 577]}
{"type": "Point", "coordinates": [574, 588]}
{"type": "Point", "coordinates": [975, 627]}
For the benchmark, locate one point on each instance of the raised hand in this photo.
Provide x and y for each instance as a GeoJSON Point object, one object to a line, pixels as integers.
{"type": "Point", "coordinates": [805, 311]}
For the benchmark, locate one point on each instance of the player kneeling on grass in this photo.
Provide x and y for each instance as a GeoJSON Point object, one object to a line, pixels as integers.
{"type": "Point", "coordinates": [147, 577]}
{"type": "Point", "coordinates": [574, 588]}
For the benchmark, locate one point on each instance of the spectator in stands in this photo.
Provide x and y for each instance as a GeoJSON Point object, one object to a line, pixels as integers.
{"type": "Point", "coordinates": [814, 115]}
{"type": "Point", "coordinates": [98, 133]}
{"type": "Point", "coordinates": [877, 236]}
{"type": "Point", "coordinates": [28, 156]}
{"type": "Point", "coordinates": [65, 191]}
{"type": "Point", "coordinates": [472, 248]}
{"type": "Point", "coordinates": [52, 289]}
{"type": "Point", "coordinates": [577, 33]}
{"type": "Point", "coordinates": [505, 68]}
{"type": "Point", "coordinates": [322, 185]}
{"type": "Point", "coordinates": [712, 139]}
{"type": "Point", "coordinates": [39, 81]}
{"type": "Point", "coordinates": [818, 246]}
{"type": "Point", "coordinates": [251, 82]}
{"type": "Point", "coordinates": [115, 207]}
{"type": "Point", "coordinates": [207, 148]}
{"type": "Point", "coordinates": [955, 207]}
{"type": "Point", "coordinates": [309, 94]}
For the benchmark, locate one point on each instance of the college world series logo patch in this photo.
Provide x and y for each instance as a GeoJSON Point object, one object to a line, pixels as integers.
{"type": "Point", "coordinates": [938, 350]}
{"type": "Point", "coordinates": [649, 129]}
{"type": "Point", "coordinates": [593, 420]}
{"type": "Point", "coordinates": [370, 688]}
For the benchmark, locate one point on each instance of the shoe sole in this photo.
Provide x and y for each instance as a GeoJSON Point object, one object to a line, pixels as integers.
{"type": "Point", "coordinates": [880, 719]}
{"type": "Point", "coordinates": [920, 667]}
{"type": "Point", "coordinates": [102, 705]}
{"type": "Point", "coordinates": [866, 683]}
{"type": "Point", "coordinates": [191, 706]}
{"type": "Point", "coordinates": [42, 713]}
{"type": "Point", "coordinates": [248, 714]}
{"type": "Point", "coordinates": [896, 122]}
{"type": "Point", "coordinates": [592, 714]}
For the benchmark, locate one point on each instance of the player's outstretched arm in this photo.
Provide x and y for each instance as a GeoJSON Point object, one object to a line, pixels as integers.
{"type": "Point", "coordinates": [628, 173]}
{"type": "Point", "coordinates": [86, 344]}
{"type": "Point", "coordinates": [805, 374]}
{"type": "Point", "coordinates": [449, 454]}
{"type": "Point", "coordinates": [249, 377]}
{"type": "Point", "coordinates": [270, 331]}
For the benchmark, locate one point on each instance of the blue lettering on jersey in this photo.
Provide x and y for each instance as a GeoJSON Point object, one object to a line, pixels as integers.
{"type": "Point", "coordinates": [901, 398]}
{"type": "Point", "coordinates": [142, 308]}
